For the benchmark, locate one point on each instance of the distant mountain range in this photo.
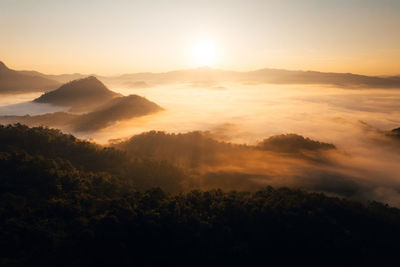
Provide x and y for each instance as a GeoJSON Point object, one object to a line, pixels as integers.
{"type": "Point", "coordinates": [208, 77]}
{"type": "Point", "coordinates": [17, 81]}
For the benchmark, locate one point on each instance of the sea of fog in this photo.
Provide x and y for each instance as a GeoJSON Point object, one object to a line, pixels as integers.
{"type": "Point", "coordinates": [366, 166]}
{"type": "Point", "coordinates": [249, 113]}
{"type": "Point", "coordinates": [353, 120]}
{"type": "Point", "coordinates": [21, 104]}
{"type": "Point", "coordinates": [245, 113]}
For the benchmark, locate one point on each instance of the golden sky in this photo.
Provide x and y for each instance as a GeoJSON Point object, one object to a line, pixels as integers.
{"type": "Point", "coordinates": [120, 36]}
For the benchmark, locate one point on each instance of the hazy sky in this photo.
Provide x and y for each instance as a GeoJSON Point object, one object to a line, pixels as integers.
{"type": "Point", "coordinates": [117, 36]}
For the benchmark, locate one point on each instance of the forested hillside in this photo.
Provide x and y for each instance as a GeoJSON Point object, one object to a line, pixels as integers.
{"type": "Point", "coordinates": [68, 202]}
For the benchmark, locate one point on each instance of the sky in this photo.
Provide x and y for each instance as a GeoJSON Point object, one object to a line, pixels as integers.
{"type": "Point", "coordinates": [112, 37]}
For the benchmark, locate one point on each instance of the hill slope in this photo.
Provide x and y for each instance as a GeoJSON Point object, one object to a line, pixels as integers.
{"type": "Point", "coordinates": [12, 81]}
{"type": "Point", "coordinates": [80, 95]}
{"type": "Point", "coordinates": [117, 109]}
{"type": "Point", "coordinates": [61, 78]}
{"type": "Point", "coordinates": [66, 202]}
{"type": "Point", "coordinates": [194, 149]}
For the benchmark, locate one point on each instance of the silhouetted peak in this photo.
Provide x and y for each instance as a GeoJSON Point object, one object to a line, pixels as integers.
{"type": "Point", "coordinates": [89, 82]}
{"type": "Point", "coordinates": [81, 94]}
{"type": "Point", "coordinates": [130, 101]}
{"type": "Point", "coordinates": [397, 130]}
{"type": "Point", "coordinates": [2, 65]}
{"type": "Point", "coordinates": [88, 79]}
{"type": "Point", "coordinates": [91, 77]}
{"type": "Point", "coordinates": [292, 143]}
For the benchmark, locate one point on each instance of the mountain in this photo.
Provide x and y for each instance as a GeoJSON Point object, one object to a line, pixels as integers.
{"type": "Point", "coordinates": [117, 109]}
{"type": "Point", "coordinates": [209, 76]}
{"type": "Point", "coordinates": [12, 81]}
{"type": "Point", "coordinates": [61, 78]}
{"type": "Point", "coordinates": [292, 143]}
{"type": "Point", "coordinates": [206, 75]}
{"type": "Point", "coordinates": [395, 133]}
{"type": "Point", "coordinates": [190, 150]}
{"type": "Point", "coordinates": [349, 80]}
{"type": "Point", "coordinates": [196, 149]}
{"type": "Point", "coordinates": [81, 95]}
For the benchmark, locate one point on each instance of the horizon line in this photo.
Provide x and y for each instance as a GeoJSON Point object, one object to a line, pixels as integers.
{"type": "Point", "coordinates": [197, 68]}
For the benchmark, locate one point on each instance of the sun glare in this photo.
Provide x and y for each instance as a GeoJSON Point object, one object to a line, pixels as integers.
{"type": "Point", "coordinates": [204, 53]}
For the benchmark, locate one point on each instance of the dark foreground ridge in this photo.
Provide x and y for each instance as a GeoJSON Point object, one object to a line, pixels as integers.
{"type": "Point", "coordinates": [67, 202]}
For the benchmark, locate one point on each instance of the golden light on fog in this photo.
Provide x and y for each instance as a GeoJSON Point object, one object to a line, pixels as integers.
{"type": "Point", "coordinates": [204, 53]}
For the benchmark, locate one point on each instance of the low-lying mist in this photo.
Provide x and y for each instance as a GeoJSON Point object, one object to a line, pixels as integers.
{"type": "Point", "coordinates": [363, 165]}
{"type": "Point", "coordinates": [249, 113]}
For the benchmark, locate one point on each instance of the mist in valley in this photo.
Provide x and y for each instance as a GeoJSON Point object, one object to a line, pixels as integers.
{"type": "Point", "coordinates": [199, 133]}
{"type": "Point", "coordinates": [363, 165]}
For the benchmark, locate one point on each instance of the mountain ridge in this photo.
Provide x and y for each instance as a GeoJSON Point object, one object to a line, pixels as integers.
{"type": "Point", "coordinates": [12, 81]}
{"type": "Point", "coordinates": [264, 75]}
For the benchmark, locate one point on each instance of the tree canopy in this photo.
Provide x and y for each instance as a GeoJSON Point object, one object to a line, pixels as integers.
{"type": "Point", "coordinates": [68, 202]}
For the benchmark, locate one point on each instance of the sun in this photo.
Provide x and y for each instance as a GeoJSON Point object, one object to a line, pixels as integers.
{"type": "Point", "coordinates": [204, 53]}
